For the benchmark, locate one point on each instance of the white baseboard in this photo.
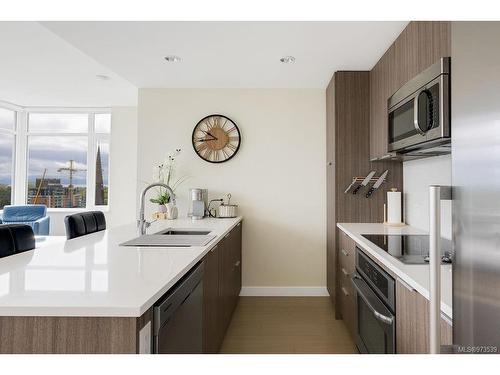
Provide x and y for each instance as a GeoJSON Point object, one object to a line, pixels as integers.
{"type": "Point", "coordinates": [283, 291]}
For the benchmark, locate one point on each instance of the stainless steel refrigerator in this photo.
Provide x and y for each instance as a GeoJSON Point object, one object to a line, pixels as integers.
{"type": "Point", "coordinates": [475, 84]}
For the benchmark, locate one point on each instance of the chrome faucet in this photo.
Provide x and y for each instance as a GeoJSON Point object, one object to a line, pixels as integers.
{"type": "Point", "coordinates": [142, 224]}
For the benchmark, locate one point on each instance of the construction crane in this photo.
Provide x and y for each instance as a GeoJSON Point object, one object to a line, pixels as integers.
{"type": "Point", "coordinates": [71, 169]}
{"type": "Point", "coordinates": [35, 201]}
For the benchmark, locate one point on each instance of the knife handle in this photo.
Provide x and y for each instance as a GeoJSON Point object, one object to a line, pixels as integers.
{"type": "Point", "coordinates": [357, 189]}
{"type": "Point", "coordinates": [369, 193]}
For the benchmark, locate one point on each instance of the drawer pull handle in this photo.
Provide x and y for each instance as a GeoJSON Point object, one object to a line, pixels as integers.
{"type": "Point", "coordinates": [345, 291]}
{"type": "Point", "coordinates": [345, 253]}
{"type": "Point", "coordinates": [345, 272]}
{"type": "Point", "coordinates": [237, 264]}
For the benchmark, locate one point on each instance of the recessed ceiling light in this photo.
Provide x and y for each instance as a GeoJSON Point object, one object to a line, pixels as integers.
{"type": "Point", "coordinates": [102, 77]}
{"type": "Point", "coordinates": [287, 59]}
{"type": "Point", "coordinates": [172, 58]}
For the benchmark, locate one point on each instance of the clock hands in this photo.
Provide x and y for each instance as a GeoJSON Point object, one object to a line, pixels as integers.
{"type": "Point", "coordinates": [205, 139]}
{"type": "Point", "coordinates": [211, 135]}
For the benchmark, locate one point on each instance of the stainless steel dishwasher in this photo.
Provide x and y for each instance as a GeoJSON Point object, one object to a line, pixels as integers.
{"type": "Point", "coordinates": [178, 316]}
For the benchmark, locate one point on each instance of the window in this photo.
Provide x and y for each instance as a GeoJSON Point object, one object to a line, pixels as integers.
{"type": "Point", "coordinates": [7, 147]}
{"type": "Point", "coordinates": [57, 157]}
{"type": "Point", "coordinates": [68, 159]}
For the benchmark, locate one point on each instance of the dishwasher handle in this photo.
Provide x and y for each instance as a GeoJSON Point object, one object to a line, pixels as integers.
{"type": "Point", "coordinates": [364, 292]}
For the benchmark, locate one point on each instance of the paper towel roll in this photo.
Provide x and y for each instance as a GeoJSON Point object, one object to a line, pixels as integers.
{"type": "Point", "coordinates": [393, 207]}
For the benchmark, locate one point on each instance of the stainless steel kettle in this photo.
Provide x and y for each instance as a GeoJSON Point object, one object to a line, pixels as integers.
{"type": "Point", "coordinates": [227, 210]}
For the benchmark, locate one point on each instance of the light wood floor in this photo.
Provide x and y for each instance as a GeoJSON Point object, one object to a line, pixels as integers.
{"type": "Point", "coordinates": [265, 325]}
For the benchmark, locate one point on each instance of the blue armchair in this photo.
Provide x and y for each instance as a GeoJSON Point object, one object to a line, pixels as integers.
{"type": "Point", "coordinates": [35, 215]}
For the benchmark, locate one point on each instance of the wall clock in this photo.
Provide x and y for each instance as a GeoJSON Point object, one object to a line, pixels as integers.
{"type": "Point", "coordinates": [216, 138]}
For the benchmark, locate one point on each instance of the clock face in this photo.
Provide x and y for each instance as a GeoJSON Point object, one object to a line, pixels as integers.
{"type": "Point", "coordinates": [216, 138]}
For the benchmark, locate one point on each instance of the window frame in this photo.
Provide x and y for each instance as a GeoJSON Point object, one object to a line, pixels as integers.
{"type": "Point", "coordinates": [12, 132]}
{"type": "Point", "coordinates": [21, 152]}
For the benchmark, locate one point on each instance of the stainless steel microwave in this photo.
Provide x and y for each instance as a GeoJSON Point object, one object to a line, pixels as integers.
{"type": "Point", "coordinates": [419, 112]}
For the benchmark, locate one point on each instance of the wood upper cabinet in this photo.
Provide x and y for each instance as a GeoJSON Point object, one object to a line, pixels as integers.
{"type": "Point", "coordinates": [420, 45]}
{"type": "Point", "coordinates": [221, 286]}
{"type": "Point", "coordinates": [412, 322]}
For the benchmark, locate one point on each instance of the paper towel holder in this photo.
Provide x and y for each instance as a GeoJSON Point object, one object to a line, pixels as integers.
{"type": "Point", "coordinates": [401, 224]}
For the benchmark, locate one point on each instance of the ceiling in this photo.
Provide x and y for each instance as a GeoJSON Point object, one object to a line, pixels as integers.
{"type": "Point", "coordinates": [230, 54]}
{"type": "Point", "coordinates": [56, 63]}
{"type": "Point", "coordinates": [41, 69]}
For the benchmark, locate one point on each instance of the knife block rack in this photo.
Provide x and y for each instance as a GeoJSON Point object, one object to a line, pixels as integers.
{"type": "Point", "coordinates": [360, 179]}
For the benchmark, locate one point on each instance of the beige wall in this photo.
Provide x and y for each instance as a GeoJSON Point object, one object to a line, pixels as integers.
{"type": "Point", "coordinates": [123, 172]}
{"type": "Point", "coordinates": [277, 178]}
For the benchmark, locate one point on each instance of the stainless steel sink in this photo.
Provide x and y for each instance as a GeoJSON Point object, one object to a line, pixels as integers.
{"type": "Point", "coordinates": [173, 238]}
{"type": "Point", "coordinates": [183, 232]}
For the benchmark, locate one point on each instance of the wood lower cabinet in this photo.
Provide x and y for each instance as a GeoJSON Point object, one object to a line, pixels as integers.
{"type": "Point", "coordinates": [222, 286]}
{"type": "Point", "coordinates": [412, 322]}
{"type": "Point", "coordinates": [71, 335]}
{"type": "Point", "coordinates": [212, 331]}
{"type": "Point", "coordinates": [347, 305]}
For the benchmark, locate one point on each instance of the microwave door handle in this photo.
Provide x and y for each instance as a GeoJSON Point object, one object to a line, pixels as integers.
{"type": "Point", "coordinates": [416, 122]}
{"type": "Point", "coordinates": [389, 320]}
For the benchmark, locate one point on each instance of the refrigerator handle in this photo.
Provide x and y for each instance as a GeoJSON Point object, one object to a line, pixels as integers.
{"type": "Point", "coordinates": [436, 195]}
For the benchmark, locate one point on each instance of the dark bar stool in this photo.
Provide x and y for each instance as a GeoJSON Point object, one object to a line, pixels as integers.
{"type": "Point", "coordinates": [84, 223]}
{"type": "Point", "coordinates": [16, 238]}
{"type": "Point", "coordinates": [7, 246]}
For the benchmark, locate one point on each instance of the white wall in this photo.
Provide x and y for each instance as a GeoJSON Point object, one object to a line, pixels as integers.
{"type": "Point", "coordinates": [277, 177]}
{"type": "Point", "coordinates": [123, 172]}
{"type": "Point", "coordinates": [417, 176]}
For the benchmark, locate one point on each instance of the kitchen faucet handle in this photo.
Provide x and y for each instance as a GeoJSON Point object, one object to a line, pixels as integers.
{"type": "Point", "coordinates": [146, 224]}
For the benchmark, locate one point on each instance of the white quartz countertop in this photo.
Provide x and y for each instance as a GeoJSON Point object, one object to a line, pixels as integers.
{"type": "Point", "coordinates": [415, 275]}
{"type": "Point", "coordinates": [94, 276]}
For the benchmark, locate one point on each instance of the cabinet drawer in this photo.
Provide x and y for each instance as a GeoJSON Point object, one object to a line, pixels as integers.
{"type": "Point", "coordinates": [347, 245]}
{"type": "Point", "coordinates": [345, 276]}
{"type": "Point", "coordinates": [347, 262]}
{"type": "Point", "coordinates": [348, 310]}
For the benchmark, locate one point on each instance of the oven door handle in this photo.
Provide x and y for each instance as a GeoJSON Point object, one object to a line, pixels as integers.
{"type": "Point", "coordinates": [389, 320]}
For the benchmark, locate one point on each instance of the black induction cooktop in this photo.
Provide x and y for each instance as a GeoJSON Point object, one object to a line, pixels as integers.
{"type": "Point", "coordinates": [410, 249]}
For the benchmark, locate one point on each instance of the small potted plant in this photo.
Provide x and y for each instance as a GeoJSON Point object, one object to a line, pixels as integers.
{"type": "Point", "coordinates": [165, 173]}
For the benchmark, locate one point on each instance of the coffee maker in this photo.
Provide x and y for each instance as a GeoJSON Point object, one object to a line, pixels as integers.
{"type": "Point", "coordinates": [198, 203]}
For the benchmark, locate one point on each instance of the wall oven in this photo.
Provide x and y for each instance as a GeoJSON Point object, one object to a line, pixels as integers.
{"type": "Point", "coordinates": [419, 112]}
{"type": "Point", "coordinates": [374, 293]}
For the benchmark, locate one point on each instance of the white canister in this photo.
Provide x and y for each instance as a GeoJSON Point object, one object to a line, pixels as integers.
{"type": "Point", "coordinates": [172, 211]}
{"type": "Point", "coordinates": [394, 207]}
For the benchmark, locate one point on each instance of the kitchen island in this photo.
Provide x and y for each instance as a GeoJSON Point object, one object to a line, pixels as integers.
{"type": "Point", "coordinates": [91, 295]}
